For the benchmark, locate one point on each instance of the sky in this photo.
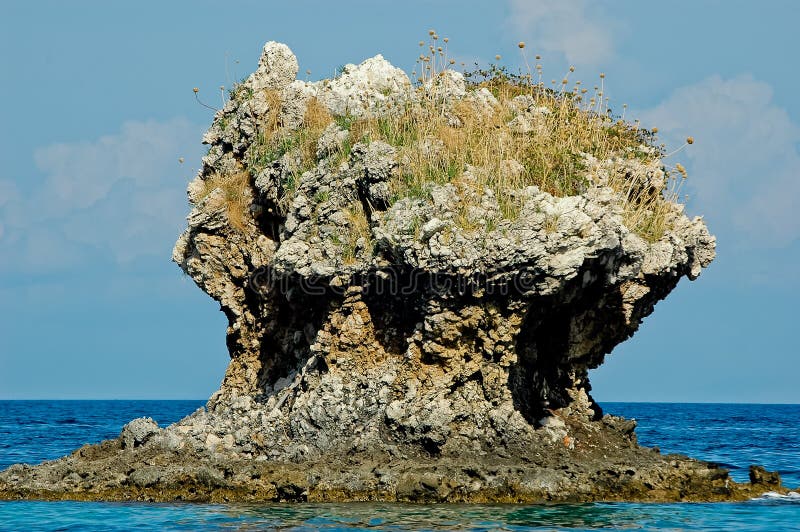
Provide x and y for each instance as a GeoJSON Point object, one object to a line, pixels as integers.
{"type": "Point", "coordinates": [98, 108]}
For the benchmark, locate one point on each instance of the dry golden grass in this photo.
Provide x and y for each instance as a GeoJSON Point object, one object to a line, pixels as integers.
{"type": "Point", "coordinates": [357, 229]}
{"type": "Point", "coordinates": [236, 195]}
{"type": "Point", "coordinates": [434, 150]}
{"type": "Point", "coordinates": [271, 120]}
{"type": "Point", "coordinates": [648, 211]}
{"type": "Point", "coordinates": [437, 141]}
{"type": "Point", "coordinates": [317, 117]}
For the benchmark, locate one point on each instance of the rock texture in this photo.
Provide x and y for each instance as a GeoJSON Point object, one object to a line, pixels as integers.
{"type": "Point", "coordinates": [399, 350]}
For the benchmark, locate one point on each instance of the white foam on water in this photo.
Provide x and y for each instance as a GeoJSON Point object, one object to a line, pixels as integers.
{"type": "Point", "coordinates": [775, 496]}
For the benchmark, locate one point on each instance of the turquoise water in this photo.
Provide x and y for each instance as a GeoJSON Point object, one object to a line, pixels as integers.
{"type": "Point", "coordinates": [754, 515]}
{"type": "Point", "coordinates": [735, 435]}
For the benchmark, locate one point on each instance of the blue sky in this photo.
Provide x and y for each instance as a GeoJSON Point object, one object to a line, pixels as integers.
{"type": "Point", "coordinates": [98, 107]}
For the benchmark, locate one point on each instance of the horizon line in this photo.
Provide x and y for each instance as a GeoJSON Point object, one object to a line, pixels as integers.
{"type": "Point", "coordinates": [599, 402]}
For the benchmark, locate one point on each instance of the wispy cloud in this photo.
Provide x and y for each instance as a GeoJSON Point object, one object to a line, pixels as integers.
{"type": "Point", "coordinates": [122, 195]}
{"type": "Point", "coordinates": [573, 28]}
{"type": "Point", "coordinates": [745, 168]}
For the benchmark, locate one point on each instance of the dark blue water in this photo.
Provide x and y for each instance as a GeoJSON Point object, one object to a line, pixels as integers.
{"type": "Point", "coordinates": [34, 431]}
{"type": "Point", "coordinates": [733, 435]}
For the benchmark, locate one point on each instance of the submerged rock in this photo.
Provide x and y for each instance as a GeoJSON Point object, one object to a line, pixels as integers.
{"type": "Point", "coordinates": [402, 341]}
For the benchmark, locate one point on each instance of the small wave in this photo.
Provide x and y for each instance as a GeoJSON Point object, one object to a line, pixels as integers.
{"type": "Point", "coordinates": [792, 496]}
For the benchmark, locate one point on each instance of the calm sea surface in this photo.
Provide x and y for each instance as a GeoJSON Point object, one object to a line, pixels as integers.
{"type": "Point", "coordinates": [733, 435]}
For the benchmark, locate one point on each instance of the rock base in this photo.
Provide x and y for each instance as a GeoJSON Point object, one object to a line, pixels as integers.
{"type": "Point", "coordinates": [598, 461]}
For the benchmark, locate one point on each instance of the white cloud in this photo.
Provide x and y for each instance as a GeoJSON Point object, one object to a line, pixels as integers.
{"type": "Point", "coordinates": [569, 27]}
{"type": "Point", "coordinates": [745, 168]}
{"type": "Point", "coordinates": [121, 194]}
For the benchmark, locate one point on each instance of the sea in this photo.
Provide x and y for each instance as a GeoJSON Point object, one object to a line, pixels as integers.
{"type": "Point", "coordinates": [734, 435]}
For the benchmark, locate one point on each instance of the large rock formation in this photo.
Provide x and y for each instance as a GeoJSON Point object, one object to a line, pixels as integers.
{"type": "Point", "coordinates": [397, 345]}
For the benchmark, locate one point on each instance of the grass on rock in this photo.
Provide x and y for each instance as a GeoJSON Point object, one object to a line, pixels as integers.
{"type": "Point", "coordinates": [532, 136]}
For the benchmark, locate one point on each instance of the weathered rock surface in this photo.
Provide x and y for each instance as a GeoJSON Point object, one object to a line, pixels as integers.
{"type": "Point", "coordinates": [434, 356]}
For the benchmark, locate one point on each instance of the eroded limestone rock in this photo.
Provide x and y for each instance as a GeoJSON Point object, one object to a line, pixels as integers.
{"type": "Point", "coordinates": [435, 348]}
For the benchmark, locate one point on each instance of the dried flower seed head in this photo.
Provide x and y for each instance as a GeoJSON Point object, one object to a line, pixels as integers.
{"type": "Point", "coordinates": [689, 140]}
{"type": "Point", "coordinates": [431, 32]}
{"type": "Point", "coordinates": [538, 57]}
{"type": "Point", "coordinates": [521, 44]}
{"type": "Point", "coordinates": [308, 72]}
{"type": "Point", "coordinates": [222, 87]}
{"type": "Point", "coordinates": [422, 43]}
{"type": "Point", "coordinates": [497, 57]}
{"type": "Point", "coordinates": [435, 37]}
{"type": "Point", "coordinates": [180, 160]}
{"type": "Point", "coordinates": [602, 75]}
{"type": "Point", "coordinates": [446, 39]}
{"type": "Point", "coordinates": [452, 61]}
{"type": "Point", "coordinates": [564, 81]}
{"type": "Point", "coordinates": [572, 69]}
{"type": "Point", "coordinates": [195, 90]}
{"type": "Point", "coordinates": [439, 48]}
{"type": "Point", "coordinates": [584, 91]}
{"type": "Point", "coordinates": [654, 130]}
